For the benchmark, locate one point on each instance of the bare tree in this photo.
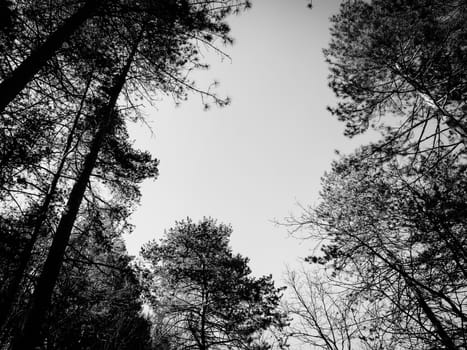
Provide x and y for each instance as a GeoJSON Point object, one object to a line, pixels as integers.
{"type": "Point", "coordinates": [326, 315]}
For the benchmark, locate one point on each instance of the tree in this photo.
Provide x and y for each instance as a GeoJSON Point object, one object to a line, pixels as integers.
{"type": "Point", "coordinates": [156, 40]}
{"type": "Point", "coordinates": [38, 219]}
{"type": "Point", "coordinates": [399, 238]}
{"type": "Point", "coordinates": [325, 314]}
{"type": "Point", "coordinates": [391, 236]}
{"type": "Point", "coordinates": [406, 60]}
{"type": "Point", "coordinates": [122, 50]}
{"type": "Point", "coordinates": [118, 171]}
{"type": "Point", "coordinates": [97, 302]}
{"type": "Point", "coordinates": [185, 16]}
{"type": "Point", "coordinates": [25, 72]}
{"type": "Point", "coordinates": [203, 295]}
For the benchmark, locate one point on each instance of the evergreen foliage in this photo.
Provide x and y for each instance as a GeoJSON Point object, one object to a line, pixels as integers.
{"type": "Point", "coordinates": [203, 295]}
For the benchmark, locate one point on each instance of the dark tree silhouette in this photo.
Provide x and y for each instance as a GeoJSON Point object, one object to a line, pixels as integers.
{"type": "Point", "coordinates": [155, 42]}
{"type": "Point", "coordinates": [401, 244]}
{"type": "Point", "coordinates": [25, 72]}
{"type": "Point", "coordinates": [203, 295]}
{"type": "Point", "coordinates": [405, 60]}
{"type": "Point", "coordinates": [29, 335]}
{"type": "Point", "coordinates": [12, 287]}
{"type": "Point", "coordinates": [97, 300]}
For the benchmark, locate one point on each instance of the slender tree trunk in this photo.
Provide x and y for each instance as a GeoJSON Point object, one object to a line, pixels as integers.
{"type": "Point", "coordinates": [24, 73]}
{"type": "Point", "coordinates": [8, 300]}
{"type": "Point", "coordinates": [29, 336]}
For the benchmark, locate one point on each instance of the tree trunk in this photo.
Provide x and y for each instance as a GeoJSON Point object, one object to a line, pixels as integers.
{"type": "Point", "coordinates": [29, 336]}
{"type": "Point", "coordinates": [24, 73]}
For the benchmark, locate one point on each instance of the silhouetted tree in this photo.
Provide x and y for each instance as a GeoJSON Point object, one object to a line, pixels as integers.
{"type": "Point", "coordinates": [202, 294]}
{"type": "Point", "coordinates": [110, 22]}
{"type": "Point", "coordinates": [11, 287]}
{"type": "Point", "coordinates": [30, 333]}
{"type": "Point", "coordinates": [399, 237]}
{"type": "Point", "coordinates": [405, 60]}
{"type": "Point", "coordinates": [36, 60]}
{"type": "Point", "coordinates": [119, 169]}
{"type": "Point", "coordinates": [97, 301]}
{"type": "Point", "coordinates": [154, 45]}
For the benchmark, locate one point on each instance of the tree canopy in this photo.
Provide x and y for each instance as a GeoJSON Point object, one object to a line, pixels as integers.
{"type": "Point", "coordinates": [389, 265]}
{"type": "Point", "coordinates": [203, 295]}
{"type": "Point", "coordinates": [71, 73]}
{"type": "Point", "coordinates": [405, 60]}
{"type": "Point", "coordinates": [389, 229]}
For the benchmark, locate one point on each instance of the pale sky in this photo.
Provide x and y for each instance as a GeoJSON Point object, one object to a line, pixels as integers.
{"type": "Point", "coordinates": [251, 162]}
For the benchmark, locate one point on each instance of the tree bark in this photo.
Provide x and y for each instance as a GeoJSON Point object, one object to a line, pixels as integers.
{"type": "Point", "coordinates": [24, 73]}
{"type": "Point", "coordinates": [30, 334]}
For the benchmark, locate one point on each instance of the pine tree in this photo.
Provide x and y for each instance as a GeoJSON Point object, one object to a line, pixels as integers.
{"type": "Point", "coordinates": [203, 295]}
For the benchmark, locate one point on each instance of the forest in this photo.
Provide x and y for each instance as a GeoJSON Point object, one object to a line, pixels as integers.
{"type": "Point", "coordinates": [388, 268]}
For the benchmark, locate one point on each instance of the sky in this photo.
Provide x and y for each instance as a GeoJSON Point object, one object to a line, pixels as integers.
{"type": "Point", "coordinates": [248, 164]}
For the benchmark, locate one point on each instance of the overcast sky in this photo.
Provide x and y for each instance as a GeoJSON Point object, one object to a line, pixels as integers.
{"type": "Point", "coordinates": [251, 162]}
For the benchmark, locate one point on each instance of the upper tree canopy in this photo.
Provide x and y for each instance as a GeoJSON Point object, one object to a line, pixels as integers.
{"type": "Point", "coordinates": [52, 31]}
{"type": "Point", "coordinates": [202, 293]}
{"type": "Point", "coordinates": [402, 58]}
